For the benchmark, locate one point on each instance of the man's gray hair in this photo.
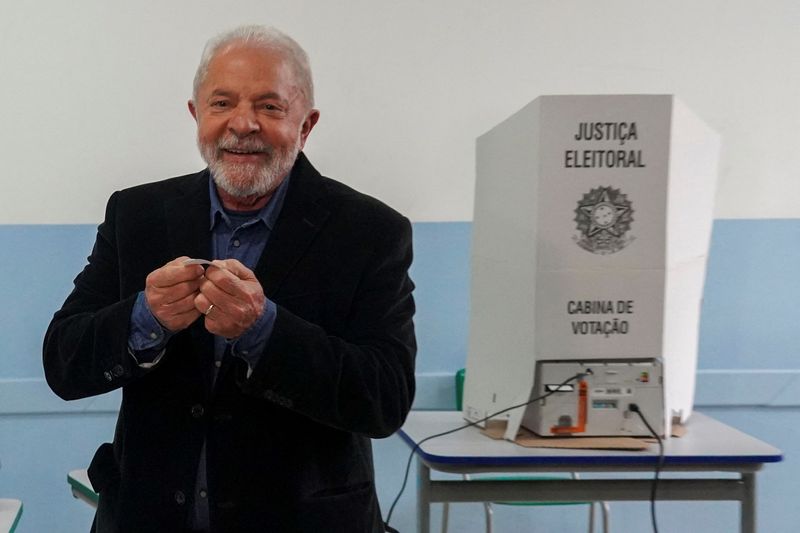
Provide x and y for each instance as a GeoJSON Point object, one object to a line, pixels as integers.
{"type": "Point", "coordinates": [260, 37]}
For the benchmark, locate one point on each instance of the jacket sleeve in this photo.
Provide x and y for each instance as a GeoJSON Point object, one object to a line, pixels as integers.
{"type": "Point", "coordinates": [85, 348]}
{"type": "Point", "coordinates": [360, 379]}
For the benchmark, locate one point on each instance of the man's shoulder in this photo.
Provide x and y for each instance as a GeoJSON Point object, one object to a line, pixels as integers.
{"type": "Point", "coordinates": [335, 196]}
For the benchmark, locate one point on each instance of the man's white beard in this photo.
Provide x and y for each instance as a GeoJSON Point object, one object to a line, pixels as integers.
{"type": "Point", "coordinates": [248, 179]}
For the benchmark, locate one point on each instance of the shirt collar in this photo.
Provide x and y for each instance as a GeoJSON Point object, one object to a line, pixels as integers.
{"type": "Point", "coordinates": [267, 214]}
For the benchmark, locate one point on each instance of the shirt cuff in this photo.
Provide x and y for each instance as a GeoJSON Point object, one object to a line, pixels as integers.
{"type": "Point", "coordinates": [250, 344]}
{"type": "Point", "coordinates": [147, 338]}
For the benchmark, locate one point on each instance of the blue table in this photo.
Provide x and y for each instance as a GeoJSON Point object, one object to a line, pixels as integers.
{"type": "Point", "coordinates": [709, 446]}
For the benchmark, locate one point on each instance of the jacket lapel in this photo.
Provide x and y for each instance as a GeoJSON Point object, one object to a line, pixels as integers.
{"type": "Point", "coordinates": [301, 218]}
{"type": "Point", "coordinates": [187, 216]}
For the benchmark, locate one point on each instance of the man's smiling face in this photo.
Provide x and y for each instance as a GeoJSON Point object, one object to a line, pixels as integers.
{"type": "Point", "coordinates": [252, 119]}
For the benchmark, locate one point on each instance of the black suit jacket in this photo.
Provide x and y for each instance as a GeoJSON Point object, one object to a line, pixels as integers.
{"type": "Point", "coordinates": [288, 447]}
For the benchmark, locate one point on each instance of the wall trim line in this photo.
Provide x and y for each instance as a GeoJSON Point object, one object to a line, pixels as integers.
{"type": "Point", "coordinates": [436, 391]}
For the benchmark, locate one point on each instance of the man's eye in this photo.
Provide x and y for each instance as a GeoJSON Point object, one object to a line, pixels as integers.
{"type": "Point", "coordinates": [219, 104]}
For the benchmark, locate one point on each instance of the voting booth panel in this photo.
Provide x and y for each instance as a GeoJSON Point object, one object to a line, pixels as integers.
{"type": "Point", "coordinates": [591, 229]}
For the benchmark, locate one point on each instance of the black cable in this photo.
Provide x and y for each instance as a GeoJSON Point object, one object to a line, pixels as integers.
{"type": "Point", "coordinates": [659, 465]}
{"type": "Point", "coordinates": [555, 389]}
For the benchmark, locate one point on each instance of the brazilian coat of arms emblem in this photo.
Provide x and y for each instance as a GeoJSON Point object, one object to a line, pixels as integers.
{"type": "Point", "coordinates": [603, 216]}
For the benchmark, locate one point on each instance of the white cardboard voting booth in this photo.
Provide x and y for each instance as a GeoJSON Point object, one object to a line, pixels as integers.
{"type": "Point", "coordinates": [592, 223]}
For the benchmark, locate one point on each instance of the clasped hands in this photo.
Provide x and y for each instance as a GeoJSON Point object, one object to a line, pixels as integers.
{"type": "Point", "coordinates": [178, 294]}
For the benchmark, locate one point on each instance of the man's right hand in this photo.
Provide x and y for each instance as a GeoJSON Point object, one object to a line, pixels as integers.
{"type": "Point", "coordinates": [170, 292]}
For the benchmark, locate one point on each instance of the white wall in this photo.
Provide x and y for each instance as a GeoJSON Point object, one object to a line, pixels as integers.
{"type": "Point", "coordinates": [93, 92]}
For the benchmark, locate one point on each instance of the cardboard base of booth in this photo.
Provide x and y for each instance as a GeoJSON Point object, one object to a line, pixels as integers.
{"type": "Point", "coordinates": [495, 429]}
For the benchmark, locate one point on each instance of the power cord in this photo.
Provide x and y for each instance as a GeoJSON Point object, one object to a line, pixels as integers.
{"type": "Point", "coordinates": [555, 389]}
{"type": "Point", "coordinates": [659, 465]}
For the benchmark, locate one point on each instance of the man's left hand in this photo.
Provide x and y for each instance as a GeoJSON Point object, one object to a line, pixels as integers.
{"type": "Point", "coordinates": [236, 295]}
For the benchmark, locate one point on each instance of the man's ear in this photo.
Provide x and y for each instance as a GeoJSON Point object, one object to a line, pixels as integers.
{"type": "Point", "coordinates": [308, 125]}
{"type": "Point", "coordinates": [192, 109]}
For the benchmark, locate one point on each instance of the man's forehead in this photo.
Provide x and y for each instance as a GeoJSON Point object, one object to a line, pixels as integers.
{"type": "Point", "coordinates": [257, 66]}
{"type": "Point", "coordinates": [250, 56]}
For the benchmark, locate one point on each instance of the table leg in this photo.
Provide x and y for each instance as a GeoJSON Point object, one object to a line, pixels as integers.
{"type": "Point", "coordinates": [423, 497]}
{"type": "Point", "coordinates": [748, 511]}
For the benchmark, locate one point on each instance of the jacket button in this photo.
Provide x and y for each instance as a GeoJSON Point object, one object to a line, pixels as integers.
{"type": "Point", "coordinates": [117, 371]}
{"type": "Point", "coordinates": [108, 375]}
{"type": "Point", "coordinates": [180, 497]}
{"type": "Point", "coordinates": [197, 411]}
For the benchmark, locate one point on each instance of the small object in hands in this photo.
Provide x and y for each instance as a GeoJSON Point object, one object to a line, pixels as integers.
{"type": "Point", "coordinates": [204, 262]}
{"type": "Point", "coordinates": [210, 307]}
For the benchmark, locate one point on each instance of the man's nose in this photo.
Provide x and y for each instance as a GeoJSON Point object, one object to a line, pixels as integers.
{"type": "Point", "coordinates": [243, 122]}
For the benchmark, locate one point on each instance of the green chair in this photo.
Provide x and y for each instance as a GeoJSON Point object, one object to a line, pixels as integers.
{"type": "Point", "coordinates": [488, 509]}
{"type": "Point", "coordinates": [10, 513]}
{"type": "Point", "coordinates": [82, 488]}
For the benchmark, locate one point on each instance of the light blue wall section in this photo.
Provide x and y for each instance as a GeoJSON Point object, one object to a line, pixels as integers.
{"type": "Point", "coordinates": [441, 273]}
{"type": "Point", "coordinates": [38, 266]}
{"type": "Point", "coordinates": [752, 296]}
{"type": "Point", "coordinates": [748, 375]}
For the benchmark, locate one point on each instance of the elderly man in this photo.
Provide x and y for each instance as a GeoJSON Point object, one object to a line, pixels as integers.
{"type": "Point", "coordinates": [251, 385]}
